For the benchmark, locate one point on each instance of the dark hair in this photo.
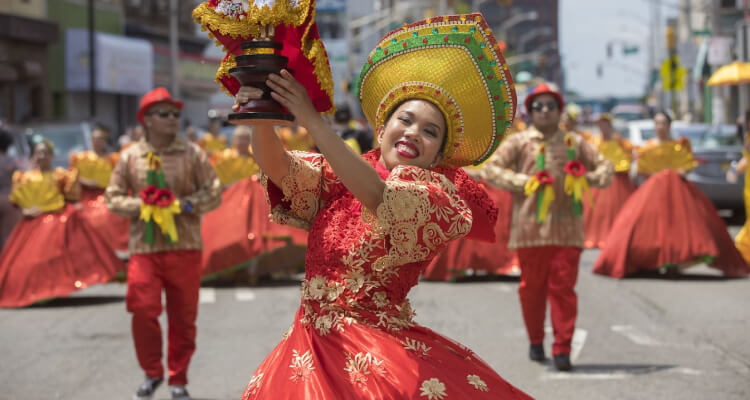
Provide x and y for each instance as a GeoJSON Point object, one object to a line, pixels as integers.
{"type": "Point", "coordinates": [665, 113]}
{"type": "Point", "coordinates": [342, 114]}
{"type": "Point", "coordinates": [101, 127]}
{"type": "Point", "coordinates": [6, 140]}
{"type": "Point", "coordinates": [445, 122]}
{"type": "Point", "coordinates": [39, 139]}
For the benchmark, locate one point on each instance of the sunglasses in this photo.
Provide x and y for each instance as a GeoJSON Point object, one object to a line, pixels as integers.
{"type": "Point", "coordinates": [166, 114]}
{"type": "Point", "coordinates": [539, 106]}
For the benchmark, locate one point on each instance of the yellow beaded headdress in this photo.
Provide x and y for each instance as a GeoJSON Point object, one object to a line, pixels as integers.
{"type": "Point", "coordinates": [455, 63]}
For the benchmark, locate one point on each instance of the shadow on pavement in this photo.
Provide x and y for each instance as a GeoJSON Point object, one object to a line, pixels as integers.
{"type": "Point", "coordinates": [78, 301]}
{"type": "Point", "coordinates": [630, 369]}
{"type": "Point", "coordinates": [683, 276]}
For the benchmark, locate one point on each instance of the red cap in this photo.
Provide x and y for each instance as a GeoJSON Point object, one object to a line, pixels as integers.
{"type": "Point", "coordinates": [543, 89]}
{"type": "Point", "coordinates": [155, 96]}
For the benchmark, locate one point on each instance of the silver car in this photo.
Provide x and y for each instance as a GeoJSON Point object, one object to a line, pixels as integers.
{"type": "Point", "coordinates": [714, 151]}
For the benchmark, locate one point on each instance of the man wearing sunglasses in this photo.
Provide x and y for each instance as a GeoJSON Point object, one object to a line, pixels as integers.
{"type": "Point", "coordinates": [159, 262]}
{"type": "Point", "coordinates": [548, 240]}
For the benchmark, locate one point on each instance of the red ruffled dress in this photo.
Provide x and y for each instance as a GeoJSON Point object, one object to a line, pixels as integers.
{"type": "Point", "coordinates": [56, 252]}
{"type": "Point", "coordinates": [466, 257]}
{"type": "Point", "coordinates": [239, 230]}
{"type": "Point", "coordinates": [607, 202]}
{"type": "Point", "coordinates": [93, 173]}
{"type": "Point", "coordinates": [668, 222]}
{"type": "Point", "coordinates": [354, 336]}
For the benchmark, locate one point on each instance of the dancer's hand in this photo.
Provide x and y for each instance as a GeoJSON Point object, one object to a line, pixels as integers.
{"type": "Point", "coordinates": [245, 94]}
{"type": "Point", "coordinates": [292, 95]}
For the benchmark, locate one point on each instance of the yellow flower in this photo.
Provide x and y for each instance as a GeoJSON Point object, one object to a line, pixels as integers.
{"type": "Point", "coordinates": [433, 389]}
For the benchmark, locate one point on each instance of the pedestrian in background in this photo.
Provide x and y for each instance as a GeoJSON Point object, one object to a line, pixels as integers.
{"type": "Point", "coordinates": [9, 215]}
{"type": "Point", "coordinates": [547, 226]}
{"type": "Point", "coordinates": [162, 261]}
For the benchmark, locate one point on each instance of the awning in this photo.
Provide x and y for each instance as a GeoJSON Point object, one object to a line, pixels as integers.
{"type": "Point", "coordinates": [123, 65]}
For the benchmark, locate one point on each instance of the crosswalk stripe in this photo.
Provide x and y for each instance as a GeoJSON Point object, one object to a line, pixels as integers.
{"type": "Point", "coordinates": [207, 295]}
{"type": "Point", "coordinates": [244, 295]}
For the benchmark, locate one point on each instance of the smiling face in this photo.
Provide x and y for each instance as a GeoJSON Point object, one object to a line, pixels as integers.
{"type": "Point", "coordinates": [661, 126]}
{"type": "Point", "coordinates": [413, 135]}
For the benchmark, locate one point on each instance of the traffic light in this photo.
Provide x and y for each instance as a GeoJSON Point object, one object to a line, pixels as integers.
{"type": "Point", "coordinates": [599, 71]}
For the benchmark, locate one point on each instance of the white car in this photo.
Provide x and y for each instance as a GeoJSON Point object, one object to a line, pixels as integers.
{"type": "Point", "coordinates": [640, 131]}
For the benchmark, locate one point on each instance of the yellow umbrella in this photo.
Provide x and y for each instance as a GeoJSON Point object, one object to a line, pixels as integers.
{"type": "Point", "coordinates": [735, 73]}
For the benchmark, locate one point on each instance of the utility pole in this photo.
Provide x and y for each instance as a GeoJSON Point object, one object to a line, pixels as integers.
{"type": "Point", "coordinates": [92, 60]}
{"type": "Point", "coordinates": [173, 49]}
{"type": "Point", "coordinates": [689, 24]}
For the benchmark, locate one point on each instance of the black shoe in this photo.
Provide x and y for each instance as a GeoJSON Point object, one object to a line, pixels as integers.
{"type": "Point", "coordinates": [536, 353]}
{"type": "Point", "coordinates": [179, 392]}
{"type": "Point", "coordinates": [147, 389]}
{"type": "Point", "coordinates": [562, 362]}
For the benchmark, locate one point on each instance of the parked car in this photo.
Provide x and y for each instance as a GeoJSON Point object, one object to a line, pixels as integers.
{"type": "Point", "coordinates": [714, 152]}
{"type": "Point", "coordinates": [68, 138]}
{"type": "Point", "coordinates": [640, 131]}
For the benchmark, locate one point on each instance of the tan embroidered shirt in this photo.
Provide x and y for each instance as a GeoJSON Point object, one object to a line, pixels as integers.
{"type": "Point", "coordinates": [514, 163]}
{"type": "Point", "coordinates": [187, 173]}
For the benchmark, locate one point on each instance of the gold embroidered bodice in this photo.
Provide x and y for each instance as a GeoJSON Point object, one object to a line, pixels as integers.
{"type": "Point", "coordinates": [656, 156]}
{"type": "Point", "coordinates": [230, 166]}
{"type": "Point", "coordinates": [46, 190]}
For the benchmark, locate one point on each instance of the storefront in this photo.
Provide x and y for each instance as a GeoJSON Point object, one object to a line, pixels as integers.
{"type": "Point", "coordinates": [24, 64]}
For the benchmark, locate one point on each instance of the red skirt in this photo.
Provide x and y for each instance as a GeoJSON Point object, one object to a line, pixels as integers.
{"type": "Point", "coordinates": [240, 229]}
{"type": "Point", "coordinates": [53, 255]}
{"type": "Point", "coordinates": [114, 228]}
{"type": "Point", "coordinates": [667, 222]}
{"type": "Point", "coordinates": [464, 257]}
{"type": "Point", "coordinates": [607, 203]}
{"type": "Point", "coordinates": [364, 362]}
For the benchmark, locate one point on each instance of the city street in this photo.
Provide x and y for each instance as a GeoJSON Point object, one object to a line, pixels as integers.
{"type": "Point", "coordinates": [639, 338]}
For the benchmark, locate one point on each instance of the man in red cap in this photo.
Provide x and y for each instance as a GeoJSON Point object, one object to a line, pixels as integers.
{"type": "Point", "coordinates": [547, 223]}
{"type": "Point", "coordinates": [162, 173]}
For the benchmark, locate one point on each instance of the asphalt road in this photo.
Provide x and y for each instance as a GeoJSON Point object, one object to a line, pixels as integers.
{"type": "Point", "coordinates": [642, 338]}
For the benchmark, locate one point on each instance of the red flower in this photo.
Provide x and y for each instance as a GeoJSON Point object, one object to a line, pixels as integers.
{"type": "Point", "coordinates": [575, 168]}
{"type": "Point", "coordinates": [544, 178]}
{"type": "Point", "coordinates": [164, 197]}
{"type": "Point", "coordinates": [149, 194]}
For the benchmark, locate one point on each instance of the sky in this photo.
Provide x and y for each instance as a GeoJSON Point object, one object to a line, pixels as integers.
{"type": "Point", "coordinates": [586, 26]}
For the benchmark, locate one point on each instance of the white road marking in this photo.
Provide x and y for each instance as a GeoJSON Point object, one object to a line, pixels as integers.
{"type": "Point", "coordinates": [575, 376]}
{"type": "Point", "coordinates": [502, 288]}
{"type": "Point", "coordinates": [635, 335]}
{"type": "Point", "coordinates": [207, 295]}
{"type": "Point", "coordinates": [576, 345]}
{"type": "Point", "coordinates": [687, 371]}
{"type": "Point", "coordinates": [244, 294]}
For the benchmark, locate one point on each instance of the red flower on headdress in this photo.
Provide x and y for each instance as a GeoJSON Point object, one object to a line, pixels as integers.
{"type": "Point", "coordinates": [149, 194]}
{"type": "Point", "coordinates": [544, 178]}
{"type": "Point", "coordinates": [164, 197]}
{"type": "Point", "coordinates": [575, 168]}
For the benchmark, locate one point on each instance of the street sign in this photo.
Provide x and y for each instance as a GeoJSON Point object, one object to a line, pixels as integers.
{"type": "Point", "coordinates": [672, 74]}
{"type": "Point", "coordinates": [688, 53]}
{"type": "Point", "coordinates": [719, 51]}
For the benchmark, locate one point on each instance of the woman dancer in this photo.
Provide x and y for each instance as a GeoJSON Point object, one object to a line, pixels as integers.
{"type": "Point", "coordinates": [53, 251]}
{"type": "Point", "coordinates": [376, 221]}
{"type": "Point", "coordinates": [668, 223]}
{"type": "Point", "coordinates": [607, 202]}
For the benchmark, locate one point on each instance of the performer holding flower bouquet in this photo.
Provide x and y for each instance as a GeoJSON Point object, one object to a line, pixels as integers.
{"type": "Point", "coordinates": [549, 172]}
{"type": "Point", "coordinates": [163, 184]}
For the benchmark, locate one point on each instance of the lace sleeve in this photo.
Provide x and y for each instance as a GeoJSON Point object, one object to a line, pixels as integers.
{"type": "Point", "coordinates": [420, 213]}
{"type": "Point", "coordinates": [302, 191]}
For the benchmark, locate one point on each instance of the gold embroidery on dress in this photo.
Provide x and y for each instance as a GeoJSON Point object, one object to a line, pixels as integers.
{"type": "Point", "coordinates": [477, 382]}
{"type": "Point", "coordinates": [433, 389]}
{"type": "Point", "coordinates": [302, 366]}
{"type": "Point", "coordinates": [416, 346]}
{"type": "Point", "coordinates": [362, 365]}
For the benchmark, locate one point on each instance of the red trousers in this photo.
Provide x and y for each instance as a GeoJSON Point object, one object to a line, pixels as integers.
{"type": "Point", "coordinates": [549, 272]}
{"type": "Point", "coordinates": [179, 274]}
